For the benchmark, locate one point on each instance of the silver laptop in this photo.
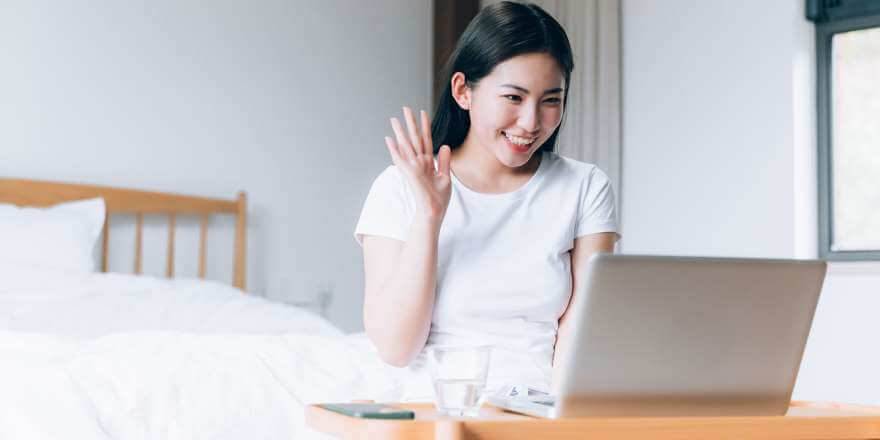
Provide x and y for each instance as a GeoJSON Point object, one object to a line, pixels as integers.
{"type": "Point", "coordinates": [682, 336]}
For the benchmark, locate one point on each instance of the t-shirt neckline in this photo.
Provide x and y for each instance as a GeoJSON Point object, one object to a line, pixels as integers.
{"type": "Point", "coordinates": [507, 195]}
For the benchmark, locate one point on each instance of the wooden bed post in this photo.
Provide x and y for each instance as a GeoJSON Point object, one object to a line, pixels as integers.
{"type": "Point", "coordinates": [203, 244]}
{"type": "Point", "coordinates": [138, 243]}
{"type": "Point", "coordinates": [240, 240]}
{"type": "Point", "coordinates": [169, 271]}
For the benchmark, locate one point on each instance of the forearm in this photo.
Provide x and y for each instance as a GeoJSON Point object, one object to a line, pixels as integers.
{"type": "Point", "coordinates": [584, 247]}
{"type": "Point", "coordinates": [397, 316]}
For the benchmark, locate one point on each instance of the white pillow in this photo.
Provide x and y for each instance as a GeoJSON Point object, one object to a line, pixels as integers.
{"type": "Point", "coordinates": [60, 237]}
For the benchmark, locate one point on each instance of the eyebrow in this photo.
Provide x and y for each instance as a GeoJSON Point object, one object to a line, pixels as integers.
{"type": "Point", "coordinates": [526, 91]}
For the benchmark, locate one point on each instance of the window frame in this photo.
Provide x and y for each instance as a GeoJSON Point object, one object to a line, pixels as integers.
{"type": "Point", "coordinates": [825, 31]}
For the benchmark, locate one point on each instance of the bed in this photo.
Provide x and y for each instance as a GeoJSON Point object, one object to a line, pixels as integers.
{"type": "Point", "coordinates": [90, 354]}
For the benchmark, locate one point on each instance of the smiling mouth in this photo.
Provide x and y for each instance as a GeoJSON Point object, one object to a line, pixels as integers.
{"type": "Point", "coordinates": [518, 143]}
{"type": "Point", "coordinates": [519, 140]}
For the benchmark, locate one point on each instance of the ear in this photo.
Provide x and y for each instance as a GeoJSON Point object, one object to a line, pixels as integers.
{"type": "Point", "coordinates": [461, 93]}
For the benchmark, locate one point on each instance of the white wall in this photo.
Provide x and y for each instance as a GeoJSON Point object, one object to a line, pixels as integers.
{"type": "Point", "coordinates": [719, 159]}
{"type": "Point", "coordinates": [287, 100]}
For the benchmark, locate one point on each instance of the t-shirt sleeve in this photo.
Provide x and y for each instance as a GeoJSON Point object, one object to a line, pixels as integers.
{"type": "Point", "coordinates": [388, 209]}
{"type": "Point", "coordinates": [597, 213]}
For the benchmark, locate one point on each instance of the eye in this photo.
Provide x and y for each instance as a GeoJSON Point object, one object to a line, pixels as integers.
{"type": "Point", "coordinates": [553, 100]}
{"type": "Point", "coordinates": [513, 98]}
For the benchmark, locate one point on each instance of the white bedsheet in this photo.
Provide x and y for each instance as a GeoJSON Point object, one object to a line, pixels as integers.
{"type": "Point", "coordinates": [124, 357]}
{"type": "Point", "coordinates": [91, 305]}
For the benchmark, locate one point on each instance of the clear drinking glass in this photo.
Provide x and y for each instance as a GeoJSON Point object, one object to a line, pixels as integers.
{"type": "Point", "coordinates": [459, 377]}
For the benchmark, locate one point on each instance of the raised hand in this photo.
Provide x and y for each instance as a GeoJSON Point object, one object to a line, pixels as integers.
{"type": "Point", "coordinates": [413, 154]}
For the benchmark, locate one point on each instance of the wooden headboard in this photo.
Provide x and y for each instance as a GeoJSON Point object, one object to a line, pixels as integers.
{"type": "Point", "coordinates": [129, 201]}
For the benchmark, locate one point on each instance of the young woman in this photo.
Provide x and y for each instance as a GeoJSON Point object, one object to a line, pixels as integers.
{"type": "Point", "coordinates": [479, 233]}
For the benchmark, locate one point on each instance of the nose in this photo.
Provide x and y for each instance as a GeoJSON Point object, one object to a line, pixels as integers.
{"type": "Point", "coordinates": [529, 118]}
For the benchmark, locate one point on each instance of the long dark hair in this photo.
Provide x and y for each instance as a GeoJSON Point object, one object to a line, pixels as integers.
{"type": "Point", "coordinates": [498, 32]}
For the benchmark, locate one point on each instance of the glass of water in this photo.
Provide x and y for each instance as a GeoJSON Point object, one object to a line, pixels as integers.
{"type": "Point", "coordinates": [459, 376]}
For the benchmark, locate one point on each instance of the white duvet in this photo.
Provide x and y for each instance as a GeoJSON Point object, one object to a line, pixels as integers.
{"type": "Point", "coordinates": [124, 357]}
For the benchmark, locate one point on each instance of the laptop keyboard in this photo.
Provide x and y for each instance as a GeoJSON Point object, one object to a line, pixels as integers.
{"type": "Point", "coordinates": [524, 394]}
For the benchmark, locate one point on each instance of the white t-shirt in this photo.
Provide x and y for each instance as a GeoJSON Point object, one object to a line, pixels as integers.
{"type": "Point", "coordinates": [503, 267]}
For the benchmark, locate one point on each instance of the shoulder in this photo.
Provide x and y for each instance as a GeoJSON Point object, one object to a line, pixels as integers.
{"type": "Point", "coordinates": [390, 173]}
{"type": "Point", "coordinates": [571, 170]}
{"type": "Point", "coordinates": [391, 178]}
{"type": "Point", "coordinates": [391, 183]}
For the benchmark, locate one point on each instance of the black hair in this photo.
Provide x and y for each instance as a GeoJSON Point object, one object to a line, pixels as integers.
{"type": "Point", "coordinates": [497, 33]}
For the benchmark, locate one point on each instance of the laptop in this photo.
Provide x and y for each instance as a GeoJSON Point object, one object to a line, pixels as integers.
{"type": "Point", "coordinates": [682, 336]}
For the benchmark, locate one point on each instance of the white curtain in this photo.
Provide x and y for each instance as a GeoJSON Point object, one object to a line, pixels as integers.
{"type": "Point", "coordinates": [591, 130]}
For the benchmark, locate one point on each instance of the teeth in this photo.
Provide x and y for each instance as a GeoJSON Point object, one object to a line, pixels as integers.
{"type": "Point", "coordinates": [519, 140]}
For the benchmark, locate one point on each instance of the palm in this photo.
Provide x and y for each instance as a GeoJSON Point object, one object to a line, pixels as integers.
{"type": "Point", "coordinates": [412, 153]}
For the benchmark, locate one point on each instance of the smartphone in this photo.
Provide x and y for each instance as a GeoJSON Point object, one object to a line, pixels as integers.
{"type": "Point", "coordinates": [369, 410]}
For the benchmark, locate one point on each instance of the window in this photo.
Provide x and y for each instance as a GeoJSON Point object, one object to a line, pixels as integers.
{"type": "Point", "coordinates": [848, 97]}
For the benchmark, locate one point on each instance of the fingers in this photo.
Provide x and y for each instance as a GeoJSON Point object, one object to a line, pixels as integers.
{"type": "Point", "coordinates": [443, 158]}
{"type": "Point", "coordinates": [403, 145]}
{"type": "Point", "coordinates": [426, 133]}
{"type": "Point", "coordinates": [412, 147]}
{"type": "Point", "coordinates": [392, 149]}
{"type": "Point", "coordinates": [414, 137]}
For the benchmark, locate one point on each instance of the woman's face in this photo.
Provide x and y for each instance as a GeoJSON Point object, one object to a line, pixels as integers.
{"type": "Point", "coordinates": [515, 108]}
